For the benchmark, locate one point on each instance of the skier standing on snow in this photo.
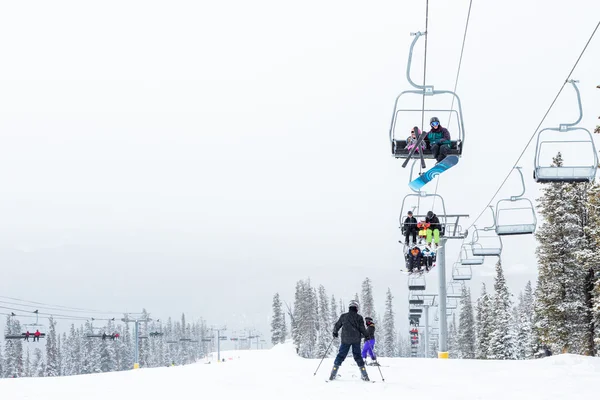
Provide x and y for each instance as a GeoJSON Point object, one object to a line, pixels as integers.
{"type": "Point", "coordinates": [353, 329]}
{"type": "Point", "coordinates": [370, 344]}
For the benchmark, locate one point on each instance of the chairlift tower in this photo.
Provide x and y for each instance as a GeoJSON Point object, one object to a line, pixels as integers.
{"type": "Point", "coordinates": [136, 321]}
{"type": "Point", "coordinates": [218, 330]}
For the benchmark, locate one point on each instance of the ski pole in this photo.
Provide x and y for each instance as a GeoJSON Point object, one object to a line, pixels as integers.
{"type": "Point", "coordinates": [324, 355]}
{"type": "Point", "coordinates": [379, 368]}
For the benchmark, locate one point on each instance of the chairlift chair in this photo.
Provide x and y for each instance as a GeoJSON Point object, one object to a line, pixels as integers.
{"type": "Point", "coordinates": [486, 245]}
{"type": "Point", "coordinates": [454, 290]}
{"type": "Point", "coordinates": [461, 272]}
{"type": "Point", "coordinates": [416, 282]}
{"type": "Point", "coordinates": [567, 172]}
{"type": "Point", "coordinates": [516, 206]}
{"type": "Point", "coordinates": [398, 140]}
{"type": "Point", "coordinates": [468, 258]}
{"type": "Point", "coordinates": [451, 304]}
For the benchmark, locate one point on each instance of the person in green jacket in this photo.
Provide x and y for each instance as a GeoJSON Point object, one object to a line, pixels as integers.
{"type": "Point", "coordinates": [439, 139]}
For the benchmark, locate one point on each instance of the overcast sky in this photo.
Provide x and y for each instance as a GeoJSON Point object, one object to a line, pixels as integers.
{"type": "Point", "coordinates": [198, 156]}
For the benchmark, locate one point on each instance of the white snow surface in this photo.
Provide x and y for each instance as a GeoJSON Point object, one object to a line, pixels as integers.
{"type": "Point", "coordinates": [280, 374]}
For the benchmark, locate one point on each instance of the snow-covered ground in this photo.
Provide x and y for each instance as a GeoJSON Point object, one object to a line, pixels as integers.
{"type": "Point", "coordinates": [280, 374]}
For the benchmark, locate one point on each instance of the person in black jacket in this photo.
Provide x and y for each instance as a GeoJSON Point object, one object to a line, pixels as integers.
{"type": "Point", "coordinates": [410, 228]}
{"type": "Point", "coordinates": [413, 259]}
{"type": "Point", "coordinates": [370, 344]}
{"type": "Point", "coordinates": [353, 330]}
{"type": "Point", "coordinates": [434, 228]}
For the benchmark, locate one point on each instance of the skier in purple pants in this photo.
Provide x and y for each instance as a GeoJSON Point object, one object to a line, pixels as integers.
{"type": "Point", "coordinates": [370, 344]}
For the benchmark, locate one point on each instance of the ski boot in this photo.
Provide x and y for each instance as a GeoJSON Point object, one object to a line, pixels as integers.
{"type": "Point", "coordinates": [333, 372]}
{"type": "Point", "coordinates": [375, 364]}
{"type": "Point", "coordinates": [363, 373]}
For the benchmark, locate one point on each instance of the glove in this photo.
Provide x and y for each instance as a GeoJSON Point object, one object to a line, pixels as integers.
{"type": "Point", "coordinates": [367, 338]}
{"type": "Point", "coordinates": [335, 334]}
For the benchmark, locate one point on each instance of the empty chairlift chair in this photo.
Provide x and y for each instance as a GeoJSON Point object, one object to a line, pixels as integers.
{"type": "Point", "coordinates": [486, 244]}
{"type": "Point", "coordinates": [403, 119]}
{"type": "Point", "coordinates": [467, 256]}
{"type": "Point", "coordinates": [461, 272]}
{"type": "Point", "coordinates": [516, 215]}
{"type": "Point", "coordinates": [416, 283]}
{"type": "Point", "coordinates": [582, 170]}
{"type": "Point", "coordinates": [454, 290]}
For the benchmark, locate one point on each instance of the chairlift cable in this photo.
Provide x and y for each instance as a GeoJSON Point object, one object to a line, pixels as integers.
{"type": "Point", "coordinates": [72, 309]}
{"type": "Point", "coordinates": [425, 68]}
{"type": "Point", "coordinates": [74, 317]}
{"type": "Point", "coordinates": [462, 50]}
{"type": "Point", "coordinates": [539, 125]}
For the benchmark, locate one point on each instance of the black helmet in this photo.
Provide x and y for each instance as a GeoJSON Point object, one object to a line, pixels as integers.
{"type": "Point", "coordinates": [434, 119]}
{"type": "Point", "coordinates": [430, 214]}
{"type": "Point", "coordinates": [368, 319]}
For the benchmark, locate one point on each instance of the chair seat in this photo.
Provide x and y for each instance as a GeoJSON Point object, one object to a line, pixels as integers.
{"type": "Point", "coordinates": [519, 229]}
{"type": "Point", "coordinates": [564, 174]}
{"type": "Point", "coordinates": [399, 150]}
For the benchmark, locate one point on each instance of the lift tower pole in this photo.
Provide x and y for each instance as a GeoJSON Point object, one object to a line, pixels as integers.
{"type": "Point", "coordinates": [136, 321]}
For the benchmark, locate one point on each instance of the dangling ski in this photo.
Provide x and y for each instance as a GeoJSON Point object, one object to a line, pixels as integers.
{"type": "Point", "coordinates": [427, 176]}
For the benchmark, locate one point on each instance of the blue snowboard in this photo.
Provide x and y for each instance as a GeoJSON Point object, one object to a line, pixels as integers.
{"type": "Point", "coordinates": [446, 163]}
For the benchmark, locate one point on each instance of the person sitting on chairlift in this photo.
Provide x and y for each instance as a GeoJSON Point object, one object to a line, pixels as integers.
{"type": "Point", "coordinates": [439, 139]}
{"type": "Point", "coordinates": [433, 229]}
{"type": "Point", "coordinates": [410, 229]}
{"type": "Point", "coordinates": [411, 141]}
{"type": "Point", "coordinates": [414, 259]}
{"type": "Point", "coordinates": [423, 227]}
{"type": "Point", "coordinates": [27, 334]}
{"type": "Point", "coordinates": [36, 335]}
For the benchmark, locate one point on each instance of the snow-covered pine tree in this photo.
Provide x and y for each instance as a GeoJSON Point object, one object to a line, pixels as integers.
{"type": "Point", "coordinates": [324, 325]}
{"type": "Point", "coordinates": [298, 315]}
{"type": "Point", "coordinates": [453, 346]}
{"type": "Point", "coordinates": [304, 331]}
{"type": "Point", "coordinates": [390, 348]}
{"type": "Point", "coordinates": [367, 306]}
{"type": "Point", "coordinates": [561, 318]}
{"type": "Point", "coordinates": [483, 324]}
{"type": "Point", "coordinates": [502, 337]}
{"type": "Point", "coordinates": [27, 365]}
{"type": "Point", "coordinates": [332, 320]}
{"type": "Point", "coordinates": [466, 329]}
{"type": "Point", "coordinates": [14, 350]}
{"type": "Point", "coordinates": [593, 265]}
{"type": "Point", "coordinates": [1, 363]}
{"type": "Point", "coordinates": [39, 365]}
{"type": "Point", "coordinates": [524, 319]}
{"type": "Point", "coordinates": [276, 320]}
{"type": "Point", "coordinates": [52, 366]}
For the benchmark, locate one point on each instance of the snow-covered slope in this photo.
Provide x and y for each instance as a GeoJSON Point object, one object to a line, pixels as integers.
{"type": "Point", "coordinates": [280, 374]}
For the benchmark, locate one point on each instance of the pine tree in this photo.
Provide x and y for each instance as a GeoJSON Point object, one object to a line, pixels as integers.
{"type": "Point", "coordinates": [52, 356]}
{"type": "Point", "coordinates": [324, 325]}
{"type": "Point", "coordinates": [389, 328]}
{"type": "Point", "coordinates": [367, 306]}
{"type": "Point", "coordinates": [483, 325]}
{"type": "Point", "coordinates": [466, 329]}
{"type": "Point", "coordinates": [561, 317]}
{"type": "Point", "coordinates": [277, 321]}
{"type": "Point", "coordinates": [304, 331]}
{"type": "Point", "coordinates": [453, 346]}
{"type": "Point", "coordinates": [332, 320]}
{"type": "Point", "coordinates": [27, 366]}
{"type": "Point", "coordinates": [39, 365]}
{"type": "Point", "coordinates": [1, 363]}
{"type": "Point", "coordinates": [524, 319]}
{"type": "Point", "coordinates": [502, 338]}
